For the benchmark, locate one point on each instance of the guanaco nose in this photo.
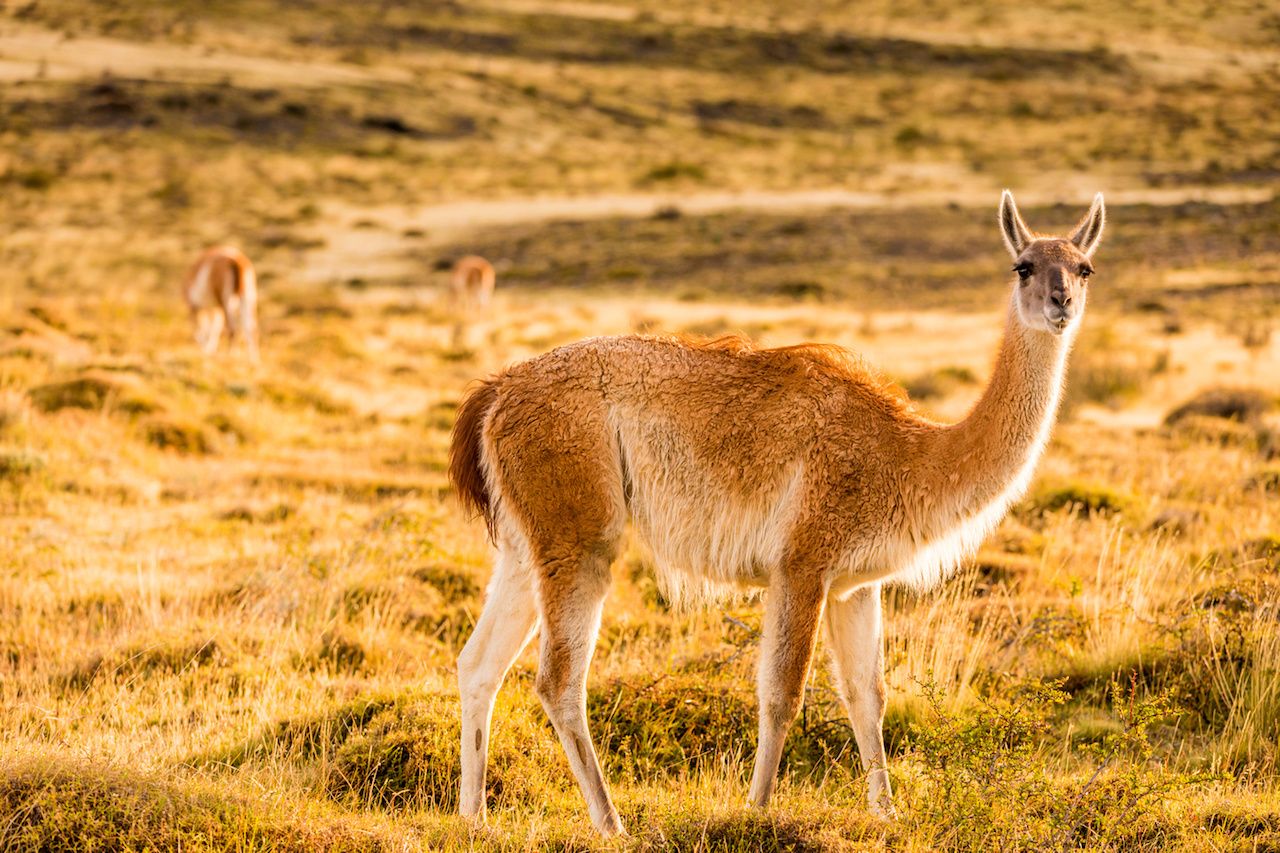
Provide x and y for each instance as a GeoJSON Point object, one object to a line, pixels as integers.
{"type": "Point", "coordinates": [1059, 299]}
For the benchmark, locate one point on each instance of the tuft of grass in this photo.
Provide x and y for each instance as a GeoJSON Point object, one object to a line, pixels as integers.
{"type": "Point", "coordinates": [229, 427]}
{"type": "Point", "coordinates": [667, 727]}
{"type": "Point", "coordinates": [179, 434]}
{"type": "Point", "coordinates": [407, 755]}
{"type": "Point", "coordinates": [1242, 405]}
{"type": "Point", "coordinates": [672, 171]}
{"type": "Point", "coordinates": [60, 806]}
{"type": "Point", "coordinates": [454, 585]}
{"type": "Point", "coordinates": [161, 655]}
{"type": "Point", "coordinates": [338, 650]}
{"type": "Point", "coordinates": [94, 390]}
{"type": "Point", "coordinates": [1267, 480]}
{"type": "Point", "coordinates": [1081, 497]}
{"type": "Point", "coordinates": [939, 383]}
{"type": "Point", "coordinates": [1210, 429]}
{"type": "Point", "coordinates": [20, 464]}
{"type": "Point", "coordinates": [739, 833]}
{"type": "Point", "coordinates": [270, 515]}
{"type": "Point", "coordinates": [1105, 371]}
{"type": "Point", "coordinates": [295, 396]}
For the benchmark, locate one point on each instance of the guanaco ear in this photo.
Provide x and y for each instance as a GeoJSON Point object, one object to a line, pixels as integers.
{"type": "Point", "coordinates": [1017, 236]}
{"type": "Point", "coordinates": [1089, 232]}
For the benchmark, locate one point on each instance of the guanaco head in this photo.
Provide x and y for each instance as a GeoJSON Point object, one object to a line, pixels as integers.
{"type": "Point", "coordinates": [1053, 272]}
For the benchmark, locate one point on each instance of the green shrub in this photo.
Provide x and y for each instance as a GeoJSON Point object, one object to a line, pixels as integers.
{"type": "Point", "coordinates": [984, 783]}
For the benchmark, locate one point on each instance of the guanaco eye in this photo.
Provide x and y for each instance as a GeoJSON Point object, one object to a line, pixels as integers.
{"type": "Point", "coordinates": [1023, 270]}
{"type": "Point", "coordinates": [1085, 272]}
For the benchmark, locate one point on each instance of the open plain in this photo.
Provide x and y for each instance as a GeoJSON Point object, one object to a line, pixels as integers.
{"type": "Point", "coordinates": [232, 594]}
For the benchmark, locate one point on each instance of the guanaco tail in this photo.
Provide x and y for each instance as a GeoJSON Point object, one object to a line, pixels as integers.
{"type": "Point", "coordinates": [794, 469]}
{"type": "Point", "coordinates": [221, 288]}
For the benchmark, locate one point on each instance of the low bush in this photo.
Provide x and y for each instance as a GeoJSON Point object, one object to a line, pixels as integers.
{"type": "Point", "coordinates": [1242, 405]}
{"type": "Point", "coordinates": [1087, 498]}
{"type": "Point", "coordinates": [95, 390]}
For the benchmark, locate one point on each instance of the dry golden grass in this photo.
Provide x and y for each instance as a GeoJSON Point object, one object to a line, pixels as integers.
{"type": "Point", "coordinates": [232, 596]}
{"type": "Point", "coordinates": [260, 630]}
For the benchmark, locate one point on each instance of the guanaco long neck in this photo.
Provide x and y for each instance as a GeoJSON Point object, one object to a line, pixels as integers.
{"type": "Point", "coordinates": [990, 455]}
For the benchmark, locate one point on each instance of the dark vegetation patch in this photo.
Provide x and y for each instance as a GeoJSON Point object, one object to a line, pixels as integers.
{"type": "Point", "coordinates": [1266, 480]}
{"type": "Point", "coordinates": [940, 258]}
{"type": "Point", "coordinates": [260, 116]}
{"type": "Point", "coordinates": [681, 723]}
{"type": "Point", "coordinates": [338, 650]}
{"type": "Point", "coordinates": [1207, 429]}
{"type": "Point", "coordinates": [648, 42]}
{"type": "Point", "coordinates": [294, 395]}
{"type": "Point", "coordinates": [402, 751]}
{"type": "Point", "coordinates": [180, 435]}
{"type": "Point", "coordinates": [265, 515]}
{"type": "Point", "coordinates": [760, 113]}
{"type": "Point", "coordinates": [749, 830]}
{"type": "Point", "coordinates": [1229, 417]}
{"type": "Point", "coordinates": [95, 390]}
{"type": "Point", "coordinates": [435, 601]}
{"type": "Point", "coordinates": [59, 807]}
{"type": "Point", "coordinates": [939, 383]}
{"type": "Point", "coordinates": [353, 487]}
{"type": "Point", "coordinates": [454, 585]}
{"type": "Point", "coordinates": [1081, 497]}
{"type": "Point", "coordinates": [20, 464]}
{"type": "Point", "coordinates": [673, 171]}
{"type": "Point", "coordinates": [1243, 405]}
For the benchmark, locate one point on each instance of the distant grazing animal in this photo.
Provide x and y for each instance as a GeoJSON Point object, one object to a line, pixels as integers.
{"type": "Point", "coordinates": [221, 287]}
{"type": "Point", "coordinates": [794, 469]}
{"type": "Point", "coordinates": [471, 283]}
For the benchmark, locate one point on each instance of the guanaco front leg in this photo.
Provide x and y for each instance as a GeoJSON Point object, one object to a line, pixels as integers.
{"type": "Point", "coordinates": [856, 637]}
{"type": "Point", "coordinates": [792, 614]}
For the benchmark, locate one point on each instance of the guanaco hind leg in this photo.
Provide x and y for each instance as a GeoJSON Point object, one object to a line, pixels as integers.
{"type": "Point", "coordinates": [571, 597]}
{"type": "Point", "coordinates": [792, 613]}
{"type": "Point", "coordinates": [208, 329]}
{"type": "Point", "coordinates": [505, 627]}
{"type": "Point", "coordinates": [856, 637]}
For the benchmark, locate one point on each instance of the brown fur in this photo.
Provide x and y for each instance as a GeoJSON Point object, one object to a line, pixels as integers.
{"type": "Point", "coordinates": [221, 289]}
{"type": "Point", "coordinates": [464, 452]}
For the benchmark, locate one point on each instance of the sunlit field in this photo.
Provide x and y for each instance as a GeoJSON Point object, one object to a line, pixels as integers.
{"type": "Point", "coordinates": [233, 594]}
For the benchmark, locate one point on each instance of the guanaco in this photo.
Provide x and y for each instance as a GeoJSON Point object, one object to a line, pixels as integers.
{"type": "Point", "coordinates": [795, 469]}
{"type": "Point", "coordinates": [221, 288]}
{"type": "Point", "coordinates": [471, 283]}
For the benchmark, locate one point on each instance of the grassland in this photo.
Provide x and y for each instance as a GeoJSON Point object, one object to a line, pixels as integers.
{"type": "Point", "coordinates": [232, 595]}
